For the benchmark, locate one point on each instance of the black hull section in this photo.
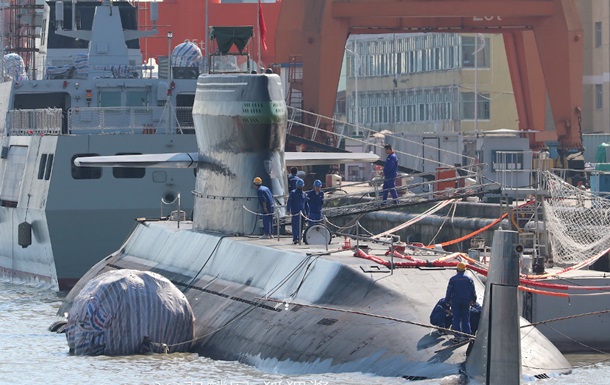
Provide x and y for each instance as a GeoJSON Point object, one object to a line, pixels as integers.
{"type": "Point", "coordinates": [238, 288]}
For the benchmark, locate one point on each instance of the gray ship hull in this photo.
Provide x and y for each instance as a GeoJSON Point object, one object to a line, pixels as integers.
{"type": "Point", "coordinates": [85, 100]}
{"type": "Point", "coordinates": [77, 222]}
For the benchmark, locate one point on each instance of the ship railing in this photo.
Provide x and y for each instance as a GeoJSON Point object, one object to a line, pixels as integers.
{"type": "Point", "coordinates": [129, 120]}
{"type": "Point", "coordinates": [40, 121]}
{"type": "Point", "coordinates": [411, 152]}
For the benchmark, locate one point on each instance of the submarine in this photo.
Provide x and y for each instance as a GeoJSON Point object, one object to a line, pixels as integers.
{"type": "Point", "coordinates": [272, 304]}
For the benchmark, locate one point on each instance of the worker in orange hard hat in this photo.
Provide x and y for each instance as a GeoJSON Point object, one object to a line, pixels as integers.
{"type": "Point", "coordinates": [265, 198]}
{"type": "Point", "coordinates": [460, 295]}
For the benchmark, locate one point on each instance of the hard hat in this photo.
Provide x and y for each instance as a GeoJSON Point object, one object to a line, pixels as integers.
{"type": "Point", "coordinates": [257, 181]}
{"type": "Point", "coordinates": [461, 266]}
{"type": "Point", "coordinates": [317, 183]}
{"type": "Point", "coordinates": [300, 183]}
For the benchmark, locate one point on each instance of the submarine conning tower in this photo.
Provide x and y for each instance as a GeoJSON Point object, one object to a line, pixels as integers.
{"type": "Point", "coordinates": [240, 125]}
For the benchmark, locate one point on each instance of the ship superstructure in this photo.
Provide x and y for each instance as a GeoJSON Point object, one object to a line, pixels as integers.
{"type": "Point", "coordinates": [92, 96]}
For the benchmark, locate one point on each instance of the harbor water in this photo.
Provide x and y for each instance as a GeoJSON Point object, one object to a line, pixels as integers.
{"type": "Point", "coordinates": [33, 355]}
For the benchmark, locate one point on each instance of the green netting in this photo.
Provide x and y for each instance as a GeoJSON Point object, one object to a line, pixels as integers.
{"type": "Point", "coordinates": [228, 36]}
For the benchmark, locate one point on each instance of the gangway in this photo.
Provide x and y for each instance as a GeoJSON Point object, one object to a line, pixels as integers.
{"type": "Point", "coordinates": [464, 181]}
{"type": "Point", "coordinates": [412, 194]}
{"type": "Point", "coordinates": [369, 199]}
{"type": "Point", "coordinates": [313, 128]}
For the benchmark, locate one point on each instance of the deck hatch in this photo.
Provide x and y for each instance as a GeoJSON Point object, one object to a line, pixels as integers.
{"type": "Point", "coordinates": [374, 269]}
{"type": "Point", "coordinates": [327, 321]}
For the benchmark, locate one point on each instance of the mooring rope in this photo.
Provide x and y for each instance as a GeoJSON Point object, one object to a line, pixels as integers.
{"type": "Point", "coordinates": [400, 320]}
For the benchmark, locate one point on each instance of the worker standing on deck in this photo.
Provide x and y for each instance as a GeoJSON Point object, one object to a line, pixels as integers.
{"type": "Point", "coordinates": [315, 201]}
{"type": "Point", "coordinates": [460, 295]}
{"type": "Point", "coordinates": [292, 179]}
{"type": "Point", "coordinates": [390, 171]}
{"type": "Point", "coordinates": [297, 205]}
{"type": "Point", "coordinates": [265, 198]}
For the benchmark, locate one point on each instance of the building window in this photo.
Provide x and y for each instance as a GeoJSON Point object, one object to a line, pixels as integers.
{"type": "Point", "coordinates": [470, 44]}
{"type": "Point", "coordinates": [483, 108]}
{"type": "Point", "coordinates": [85, 172]}
{"type": "Point", "coordinates": [507, 160]}
{"type": "Point", "coordinates": [598, 34]}
{"type": "Point", "coordinates": [599, 96]}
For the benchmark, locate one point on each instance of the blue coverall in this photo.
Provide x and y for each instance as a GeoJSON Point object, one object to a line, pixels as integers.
{"type": "Point", "coordinates": [390, 171]}
{"type": "Point", "coordinates": [292, 182]}
{"type": "Point", "coordinates": [315, 201]}
{"type": "Point", "coordinates": [460, 293]}
{"type": "Point", "coordinates": [265, 196]}
{"type": "Point", "coordinates": [297, 203]}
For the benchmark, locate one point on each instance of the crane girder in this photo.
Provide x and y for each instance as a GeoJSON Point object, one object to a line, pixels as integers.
{"type": "Point", "coordinates": [543, 41]}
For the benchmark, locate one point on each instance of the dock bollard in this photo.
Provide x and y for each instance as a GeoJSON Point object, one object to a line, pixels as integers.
{"type": "Point", "coordinates": [496, 354]}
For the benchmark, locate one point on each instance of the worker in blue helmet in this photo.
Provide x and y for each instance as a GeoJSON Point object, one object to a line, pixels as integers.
{"type": "Point", "coordinates": [292, 179]}
{"type": "Point", "coordinates": [297, 206]}
{"type": "Point", "coordinates": [315, 201]}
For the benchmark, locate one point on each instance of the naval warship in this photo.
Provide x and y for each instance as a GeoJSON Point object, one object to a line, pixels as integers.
{"type": "Point", "coordinates": [267, 302]}
{"type": "Point", "coordinates": [92, 96]}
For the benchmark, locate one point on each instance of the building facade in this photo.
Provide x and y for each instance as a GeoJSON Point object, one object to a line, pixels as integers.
{"type": "Point", "coordinates": [595, 18]}
{"type": "Point", "coordinates": [428, 82]}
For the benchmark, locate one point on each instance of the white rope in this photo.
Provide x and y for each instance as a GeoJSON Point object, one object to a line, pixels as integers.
{"type": "Point", "coordinates": [418, 218]}
{"type": "Point", "coordinates": [452, 213]}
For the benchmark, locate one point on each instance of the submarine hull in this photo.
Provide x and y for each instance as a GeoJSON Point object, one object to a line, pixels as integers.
{"type": "Point", "coordinates": [305, 310]}
{"type": "Point", "coordinates": [284, 307]}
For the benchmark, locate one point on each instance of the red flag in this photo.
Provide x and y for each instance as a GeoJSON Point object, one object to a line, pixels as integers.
{"type": "Point", "coordinates": [261, 26]}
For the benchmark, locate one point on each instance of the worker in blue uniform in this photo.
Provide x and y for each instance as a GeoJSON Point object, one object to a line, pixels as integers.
{"type": "Point", "coordinates": [265, 198]}
{"type": "Point", "coordinates": [292, 179]}
{"type": "Point", "coordinates": [460, 295]}
{"type": "Point", "coordinates": [441, 315]}
{"type": "Point", "coordinates": [315, 201]}
{"type": "Point", "coordinates": [297, 205]}
{"type": "Point", "coordinates": [390, 171]}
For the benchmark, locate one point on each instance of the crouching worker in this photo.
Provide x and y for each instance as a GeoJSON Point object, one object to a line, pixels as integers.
{"type": "Point", "coordinates": [441, 315]}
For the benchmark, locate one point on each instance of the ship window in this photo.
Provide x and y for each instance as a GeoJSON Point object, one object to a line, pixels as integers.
{"type": "Point", "coordinates": [128, 172]}
{"type": "Point", "coordinates": [13, 176]}
{"type": "Point", "coordinates": [42, 165]}
{"type": "Point", "coordinates": [137, 99]}
{"type": "Point", "coordinates": [110, 99]}
{"type": "Point", "coordinates": [47, 173]}
{"type": "Point", "coordinates": [85, 172]}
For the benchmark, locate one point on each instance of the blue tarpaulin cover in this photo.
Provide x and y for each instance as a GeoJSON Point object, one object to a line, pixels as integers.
{"type": "Point", "coordinates": [126, 312]}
